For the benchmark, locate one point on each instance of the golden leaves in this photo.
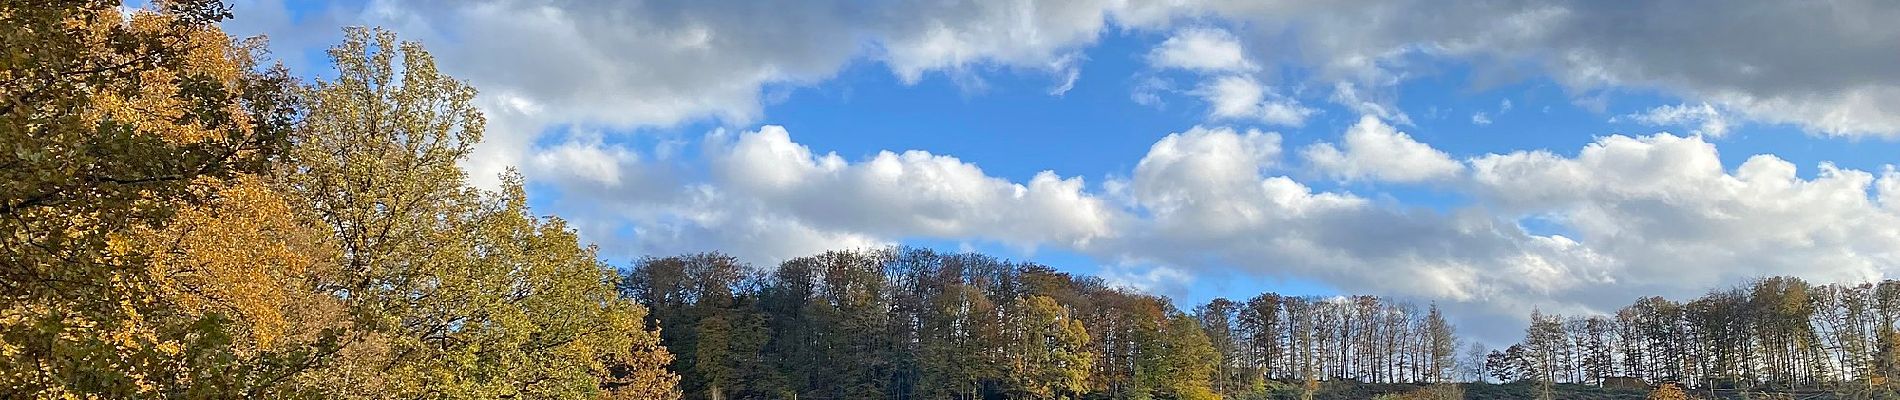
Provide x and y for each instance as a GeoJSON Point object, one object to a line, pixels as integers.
{"type": "Point", "coordinates": [154, 105]}
{"type": "Point", "coordinates": [244, 253]}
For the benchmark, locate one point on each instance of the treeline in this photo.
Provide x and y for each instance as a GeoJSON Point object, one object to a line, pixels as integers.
{"type": "Point", "coordinates": [1776, 333]}
{"type": "Point", "coordinates": [908, 323]}
{"type": "Point", "coordinates": [179, 221]}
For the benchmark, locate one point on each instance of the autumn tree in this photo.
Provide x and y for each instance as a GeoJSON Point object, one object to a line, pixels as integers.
{"type": "Point", "coordinates": [1050, 355]}
{"type": "Point", "coordinates": [451, 291]}
{"type": "Point", "coordinates": [1440, 343]}
{"type": "Point", "coordinates": [1175, 361]}
{"type": "Point", "coordinates": [115, 123]}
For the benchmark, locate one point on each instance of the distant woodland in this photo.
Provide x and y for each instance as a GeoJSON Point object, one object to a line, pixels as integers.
{"type": "Point", "coordinates": [910, 323]}
{"type": "Point", "coordinates": [180, 218]}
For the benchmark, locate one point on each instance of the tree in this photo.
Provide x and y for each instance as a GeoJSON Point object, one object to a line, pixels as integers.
{"type": "Point", "coordinates": [115, 122]}
{"type": "Point", "coordinates": [1180, 363]}
{"type": "Point", "coordinates": [1051, 350]}
{"type": "Point", "coordinates": [1506, 366]}
{"type": "Point", "coordinates": [1261, 324]}
{"type": "Point", "coordinates": [729, 355]}
{"type": "Point", "coordinates": [1543, 348]}
{"type": "Point", "coordinates": [451, 291]}
{"type": "Point", "coordinates": [684, 295]}
{"type": "Point", "coordinates": [1441, 343]}
{"type": "Point", "coordinates": [1471, 367]}
{"type": "Point", "coordinates": [1886, 366]}
{"type": "Point", "coordinates": [1232, 373]}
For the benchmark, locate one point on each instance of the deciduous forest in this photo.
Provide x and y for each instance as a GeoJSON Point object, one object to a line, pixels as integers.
{"type": "Point", "coordinates": [911, 323]}
{"type": "Point", "coordinates": [181, 218]}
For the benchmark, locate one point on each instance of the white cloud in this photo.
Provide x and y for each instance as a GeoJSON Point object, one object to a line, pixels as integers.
{"type": "Point", "coordinates": [1704, 119]}
{"type": "Point", "coordinates": [1480, 118]}
{"type": "Point", "coordinates": [909, 193]}
{"type": "Point", "coordinates": [1374, 150]}
{"type": "Point", "coordinates": [1202, 49]}
{"type": "Point", "coordinates": [1209, 180]}
{"type": "Point", "coordinates": [1241, 98]}
{"type": "Point", "coordinates": [587, 160]}
{"type": "Point", "coordinates": [1210, 198]}
{"type": "Point", "coordinates": [766, 198]}
{"type": "Point", "coordinates": [1675, 219]}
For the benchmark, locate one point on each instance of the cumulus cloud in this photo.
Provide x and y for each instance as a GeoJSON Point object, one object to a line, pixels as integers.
{"type": "Point", "coordinates": [1211, 197]}
{"type": "Point", "coordinates": [1209, 181]}
{"type": "Point", "coordinates": [1377, 151]}
{"type": "Point", "coordinates": [1227, 83]}
{"type": "Point", "coordinates": [909, 193]}
{"type": "Point", "coordinates": [1202, 49]}
{"type": "Point", "coordinates": [1241, 98]}
{"type": "Point", "coordinates": [760, 185]}
{"type": "Point", "coordinates": [1676, 219]}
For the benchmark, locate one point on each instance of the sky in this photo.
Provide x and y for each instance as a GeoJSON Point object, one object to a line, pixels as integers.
{"type": "Point", "coordinates": [1490, 156]}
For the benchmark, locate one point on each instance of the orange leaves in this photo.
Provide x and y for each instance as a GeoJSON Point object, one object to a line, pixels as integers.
{"type": "Point", "coordinates": [1668, 391]}
{"type": "Point", "coordinates": [244, 253]}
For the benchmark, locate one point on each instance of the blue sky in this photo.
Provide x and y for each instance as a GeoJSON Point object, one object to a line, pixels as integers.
{"type": "Point", "coordinates": [1464, 172]}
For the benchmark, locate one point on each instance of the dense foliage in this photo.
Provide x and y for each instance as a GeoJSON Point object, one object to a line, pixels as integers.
{"type": "Point", "coordinates": [915, 324]}
{"type": "Point", "coordinates": [177, 221]}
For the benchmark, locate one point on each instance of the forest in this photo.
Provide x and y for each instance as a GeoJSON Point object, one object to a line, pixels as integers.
{"type": "Point", "coordinates": [909, 323]}
{"type": "Point", "coordinates": [180, 217]}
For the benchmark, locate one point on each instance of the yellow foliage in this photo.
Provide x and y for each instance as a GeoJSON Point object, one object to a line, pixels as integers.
{"type": "Point", "coordinates": [208, 54]}
{"type": "Point", "coordinates": [245, 254]}
{"type": "Point", "coordinates": [1668, 391]}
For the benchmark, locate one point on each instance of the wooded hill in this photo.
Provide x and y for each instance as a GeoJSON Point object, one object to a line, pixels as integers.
{"type": "Point", "coordinates": [910, 323]}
